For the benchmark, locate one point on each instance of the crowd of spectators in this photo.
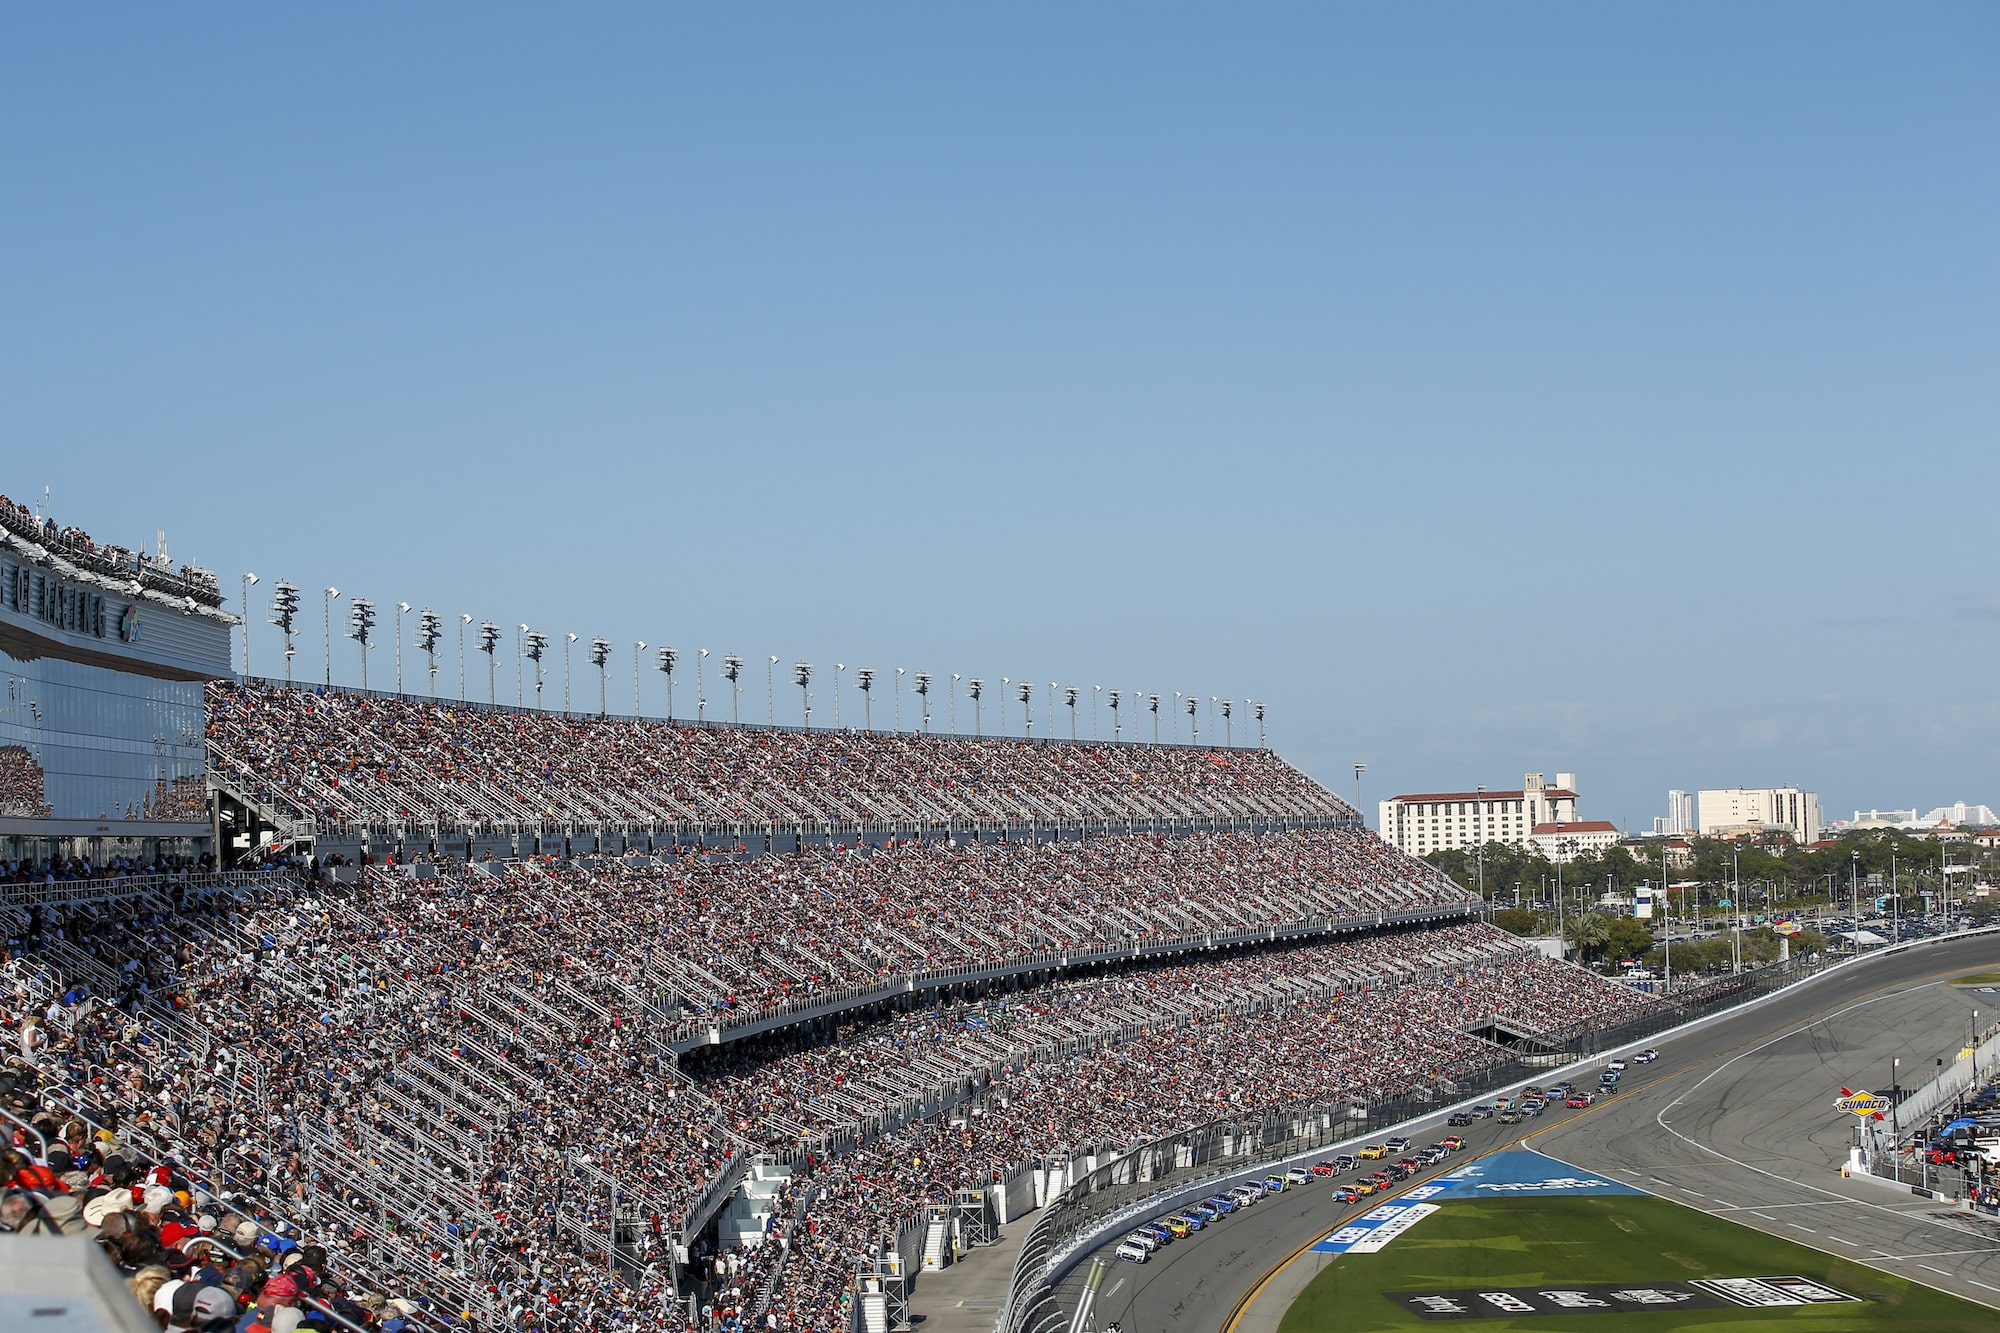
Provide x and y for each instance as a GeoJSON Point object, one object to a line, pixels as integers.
{"type": "Point", "coordinates": [343, 756]}
{"type": "Point", "coordinates": [440, 1081]}
{"type": "Point", "coordinates": [23, 785]}
{"type": "Point", "coordinates": [68, 869]}
{"type": "Point", "coordinates": [76, 545]}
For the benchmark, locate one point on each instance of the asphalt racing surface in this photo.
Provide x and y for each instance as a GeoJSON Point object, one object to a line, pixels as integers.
{"type": "Point", "coordinates": [1735, 1119]}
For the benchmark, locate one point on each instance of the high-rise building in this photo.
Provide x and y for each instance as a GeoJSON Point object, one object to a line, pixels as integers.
{"type": "Point", "coordinates": [1731, 811]}
{"type": "Point", "coordinates": [1424, 822]}
{"type": "Point", "coordinates": [1679, 821]}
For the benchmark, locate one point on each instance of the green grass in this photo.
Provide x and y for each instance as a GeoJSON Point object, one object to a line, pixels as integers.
{"type": "Point", "coordinates": [1977, 979]}
{"type": "Point", "coordinates": [1492, 1243]}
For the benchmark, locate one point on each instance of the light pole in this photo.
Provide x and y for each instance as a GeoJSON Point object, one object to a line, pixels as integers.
{"type": "Point", "coordinates": [1153, 706]}
{"type": "Point", "coordinates": [1211, 719]}
{"type": "Point", "coordinates": [284, 614]}
{"type": "Point", "coordinates": [666, 661]}
{"type": "Point", "coordinates": [600, 653]}
{"type": "Point", "coordinates": [838, 667]}
{"type": "Point", "coordinates": [973, 689]}
{"type": "Point", "coordinates": [952, 699]}
{"type": "Point", "coordinates": [1263, 741]}
{"type": "Point", "coordinates": [489, 640]}
{"type": "Point", "coordinates": [326, 615]}
{"type": "Point", "coordinates": [520, 654]}
{"type": "Point", "coordinates": [802, 677]}
{"type": "Point", "coordinates": [771, 690]}
{"type": "Point", "coordinates": [402, 609]}
{"type": "Point", "coordinates": [865, 678]}
{"type": "Point", "coordinates": [1095, 691]}
{"type": "Point", "coordinates": [429, 630]}
{"type": "Point", "coordinates": [1111, 700]}
{"type": "Point", "coordinates": [732, 671]}
{"type": "Point", "coordinates": [638, 646]}
{"type": "Point", "coordinates": [568, 639]}
{"type": "Point", "coordinates": [1854, 882]}
{"type": "Point", "coordinates": [1667, 896]}
{"type": "Point", "coordinates": [248, 579]}
{"type": "Point", "coordinates": [1359, 769]}
{"type": "Point", "coordinates": [360, 624]}
{"type": "Point", "coordinates": [1177, 717]}
{"type": "Point", "coordinates": [921, 683]}
{"type": "Point", "coordinates": [700, 686]}
{"type": "Point", "coordinates": [1027, 713]}
{"type": "Point", "coordinates": [538, 644]}
{"type": "Point", "coordinates": [1228, 728]}
{"type": "Point", "coordinates": [898, 683]}
{"type": "Point", "coordinates": [1069, 698]}
{"type": "Point", "coordinates": [1194, 721]}
{"type": "Point", "coordinates": [464, 619]}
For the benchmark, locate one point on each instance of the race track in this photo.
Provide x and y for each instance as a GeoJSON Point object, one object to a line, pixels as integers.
{"type": "Point", "coordinates": [1735, 1119]}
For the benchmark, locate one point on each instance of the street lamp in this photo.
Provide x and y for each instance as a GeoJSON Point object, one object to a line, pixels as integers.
{"type": "Point", "coordinates": [464, 619]}
{"type": "Point", "coordinates": [802, 677]}
{"type": "Point", "coordinates": [667, 659]}
{"type": "Point", "coordinates": [865, 677]}
{"type": "Point", "coordinates": [284, 614]}
{"type": "Point", "coordinates": [568, 639]}
{"type": "Point", "coordinates": [360, 624]}
{"type": "Point", "coordinates": [326, 615]}
{"type": "Point", "coordinates": [248, 579]}
{"type": "Point", "coordinates": [732, 671]}
{"type": "Point", "coordinates": [429, 630]}
{"type": "Point", "coordinates": [402, 609]}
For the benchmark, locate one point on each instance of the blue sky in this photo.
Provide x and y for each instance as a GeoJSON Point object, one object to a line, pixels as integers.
{"type": "Point", "coordinates": [1606, 389]}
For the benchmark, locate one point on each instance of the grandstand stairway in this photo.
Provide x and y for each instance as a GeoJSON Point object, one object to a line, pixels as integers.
{"type": "Point", "coordinates": [745, 1220]}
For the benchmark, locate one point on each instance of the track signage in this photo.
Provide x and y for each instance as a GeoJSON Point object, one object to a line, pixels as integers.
{"type": "Point", "coordinates": [1757, 1293]}
{"type": "Point", "coordinates": [1375, 1228]}
{"type": "Point", "coordinates": [1867, 1105]}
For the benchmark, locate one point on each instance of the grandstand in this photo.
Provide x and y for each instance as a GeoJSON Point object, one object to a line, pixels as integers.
{"type": "Point", "coordinates": [519, 1019]}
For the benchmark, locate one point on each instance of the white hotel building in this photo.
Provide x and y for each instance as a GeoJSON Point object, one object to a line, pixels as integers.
{"type": "Point", "coordinates": [1425, 822]}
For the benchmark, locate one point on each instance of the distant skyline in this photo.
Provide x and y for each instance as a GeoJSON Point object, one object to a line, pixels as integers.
{"type": "Point", "coordinates": [1568, 388]}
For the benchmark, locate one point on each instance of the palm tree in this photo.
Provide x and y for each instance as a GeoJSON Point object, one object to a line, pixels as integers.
{"type": "Point", "coordinates": [1588, 931]}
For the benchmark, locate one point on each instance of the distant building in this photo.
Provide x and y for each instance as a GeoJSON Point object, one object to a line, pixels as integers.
{"type": "Point", "coordinates": [1737, 811]}
{"type": "Point", "coordinates": [1680, 816]}
{"type": "Point", "coordinates": [1424, 822]}
{"type": "Point", "coordinates": [1562, 843]}
{"type": "Point", "coordinates": [1648, 851]}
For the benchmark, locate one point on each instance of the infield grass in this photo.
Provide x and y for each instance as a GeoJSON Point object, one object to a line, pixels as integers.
{"type": "Point", "coordinates": [1521, 1242]}
{"type": "Point", "coordinates": [1977, 979]}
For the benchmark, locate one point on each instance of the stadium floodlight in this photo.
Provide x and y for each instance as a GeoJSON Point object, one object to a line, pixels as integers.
{"type": "Point", "coordinates": [519, 630]}
{"type": "Point", "coordinates": [921, 683]}
{"type": "Point", "coordinates": [326, 617]}
{"type": "Point", "coordinates": [638, 646]}
{"type": "Point", "coordinates": [1228, 732]}
{"type": "Point", "coordinates": [732, 671]}
{"type": "Point", "coordinates": [429, 629]}
{"type": "Point", "coordinates": [538, 644]}
{"type": "Point", "coordinates": [284, 611]}
{"type": "Point", "coordinates": [489, 641]}
{"type": "Point", "coordinates": [953, 703]}
{"type": "Point", "coordinates": [899, 698]}
{"type": "Point", "coordinates": [600, 653]}
{"type": "Point", "coordinates": [973, 689]}
{"type": "Point", "coordinates": [771, 690]}
{"type": "Point", "coordinates": [1194, 722]}
{"type": "Point", "coordinates": [1111, 697]}
{"type": "Point", "coordinates": [802, 677]}
{"type": "Point", "coordinates": [667, 659]}
{"type": "Point", "coordinates": [1263, 741]}
{"type": "Point", "coordinates": [700, 686]}
{"type": "Point", "coordinates": [865, 677]}
{"type": "Point", "coordinates": [464, 619]}
{"type": "Point", "coordinates": [244, 602]}
{"type": "Point", "coordinates": [568, 639]}
{"type": "Point", "coordinates": [1153, 706]}
{"type": "Point", "coordinates": [1005, 681]}
{"type": "Point", "coordinates": [360, 624]}
{"type": "Point", "coordinates": [1069, 697]}
{"type": "Point", "coordinates": [1027, 712]}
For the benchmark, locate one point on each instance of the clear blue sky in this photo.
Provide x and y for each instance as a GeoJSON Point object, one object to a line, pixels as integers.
{"type": "Point", "coordinates": [1597, 388]}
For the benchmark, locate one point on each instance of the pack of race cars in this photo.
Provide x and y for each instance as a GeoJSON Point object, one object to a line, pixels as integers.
{"type": "Point", "coordinates": [1366, 1178]}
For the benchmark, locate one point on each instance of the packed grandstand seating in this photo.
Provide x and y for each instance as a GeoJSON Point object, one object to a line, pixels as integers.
{"type": "Point", "coordinates": [345, 757]}
{"type": "Point", "coordinates": [440, 1081]}
{"type": "Point", "coordinates": [424, 1092]}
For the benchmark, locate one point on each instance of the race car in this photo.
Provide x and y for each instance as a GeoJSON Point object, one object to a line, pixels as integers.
{"type": "Point", "coordinates": [1453, 1142]}
{"type": "Point", "coordinates": [1646, 1056]}
{"type": "Point", "coordinates": [1577, 1100]}
{"type": "Point", "coordinates": [1374, 1152]}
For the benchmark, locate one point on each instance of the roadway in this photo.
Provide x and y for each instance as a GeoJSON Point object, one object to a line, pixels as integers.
{"type": "Point", "coordinates": [1735, 1118]}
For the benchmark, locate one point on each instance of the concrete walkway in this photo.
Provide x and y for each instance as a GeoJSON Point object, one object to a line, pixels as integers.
{"type": "Point", "coordinates": [966, 1298]}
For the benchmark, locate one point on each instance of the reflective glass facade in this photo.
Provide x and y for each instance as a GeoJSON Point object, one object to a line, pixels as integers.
{"type": "Point", "coordinates": [88, 742]}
